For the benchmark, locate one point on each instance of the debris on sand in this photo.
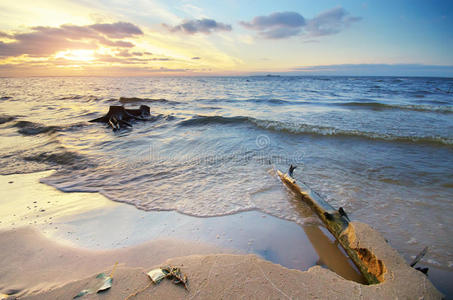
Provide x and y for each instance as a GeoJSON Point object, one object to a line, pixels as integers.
{"type": "Point", "coordinates": [157, 275]}
{"type": "Point", "coordinates": [101, 283]}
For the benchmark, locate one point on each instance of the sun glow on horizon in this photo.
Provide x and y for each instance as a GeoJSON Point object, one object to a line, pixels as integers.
{"type": "Point", "coordinates": [77, 55]}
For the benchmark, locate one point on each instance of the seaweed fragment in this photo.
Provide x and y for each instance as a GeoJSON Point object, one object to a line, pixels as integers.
{"type": "Point", "coordinates": [175, 275]}
{"type": "Point", "coordinates": [157, 275]}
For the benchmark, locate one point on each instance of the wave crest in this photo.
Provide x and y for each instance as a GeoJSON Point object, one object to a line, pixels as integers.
{"type": "Point", "coordinates": [316, 130]}
{"type": "Point", "coordinates": [126, 100]}
{"type": "Point", "coordinates": [31, 128]}
{"type": "Point", "coordinates": [383, 106]}
{"type": "Point", "coordinates": [5, 119]}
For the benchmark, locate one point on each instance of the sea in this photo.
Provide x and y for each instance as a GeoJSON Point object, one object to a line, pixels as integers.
{"type": "Point", "coordinates": [380, 147]}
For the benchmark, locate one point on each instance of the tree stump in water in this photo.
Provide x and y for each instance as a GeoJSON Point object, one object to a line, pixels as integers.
{"type": "Point", "coordinates": [118, 116]}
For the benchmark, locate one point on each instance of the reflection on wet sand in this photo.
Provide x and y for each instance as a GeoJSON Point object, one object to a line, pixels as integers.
{"type": "Point", "coordinates": [331, 254]}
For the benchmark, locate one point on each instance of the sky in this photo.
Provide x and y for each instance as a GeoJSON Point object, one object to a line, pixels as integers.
{"type": "Point", "coordinates": [225, 37]}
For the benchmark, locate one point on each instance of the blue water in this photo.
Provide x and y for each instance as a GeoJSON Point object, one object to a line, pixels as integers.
{"type": "Point", "coordinates": [381, 147]}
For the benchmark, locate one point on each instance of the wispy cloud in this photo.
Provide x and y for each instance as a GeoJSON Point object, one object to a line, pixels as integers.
{"type": "Point", "coordinates": [114, 70]}
{"type": "Point", "coordinates": [126, 53]}
{"type": "Point", "coordinates": [279, 25]}
{"type": "Point", "coordinates": [206, 26]}
{"type": "Point", "coordinates": [330, 22]}
{"type": "Point", "coordinates": [44, 41]}
{"type": "Point", "coordinates": [117, 30]}
{"type": "Point", "coordinates": [129, 58]}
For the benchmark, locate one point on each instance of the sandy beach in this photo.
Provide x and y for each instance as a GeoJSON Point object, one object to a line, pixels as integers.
{"type": "Point", "coordinates": [44, 257]}
{"type": "Point", "coordinates": [42, 269]}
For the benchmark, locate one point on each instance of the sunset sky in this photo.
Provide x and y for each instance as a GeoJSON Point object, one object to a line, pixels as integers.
{"type": "Point", "coordinates": [225, 37]}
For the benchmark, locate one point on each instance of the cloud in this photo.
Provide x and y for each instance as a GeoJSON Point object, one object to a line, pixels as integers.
{"type": "Point", "coordinates": [44, 41]}
{"type": "Point", "coordinates": [126, 57]}
{"type": "Point", "coordinates": [160, 59]}
{"type": "Point", "coordinates": [276, 19]}
{"type": "Point", "coordinates": [117, 30]}
{"type": "Point", "coordinates": [196, 57]}
{"type": "Point", "coordinates": [277, 25]}
{"type": "Point", "coordinates": [94, 70]}
{"type": "Point", "coordinates": [126, 53]}
{"type": "Point", "coordinates": [280, 25]}
{"type": "Point", "coordinates": [330, 22]}
{"type": "Point", "coordinates": [121, 44]}
{"type": "Point", "coordinates": [280, 33]}
{"type": "Point", "coordinates": [119, 59]}
{"type": "Point", "coordinates": [206, 26]}
{"type": "Point", "coordinates": [163, 69]}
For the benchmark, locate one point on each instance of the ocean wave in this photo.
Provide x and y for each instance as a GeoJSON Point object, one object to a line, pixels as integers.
{"type": "Point", "coordinates": [270, 101]}
{"type": "Point", "coordinates": [126, 100]}
{"type": "Point", "coordinates": [439, 108]}
{"type": "Point", "coordinates": [383, 106]}
{"type": "Point", "coordinates": [301, 128]}
{"type": "Point", "coordinates": [89, 98]}
{"type": "Point", "coordinates": [73, 97]}
{"type": "Point", "coordinates": [5, 119]}
{"type": "Point", "coordinates": [73, 126]}
{"type": "Point", "coordinates": [332, 131]}
{"type": "Point", "coordinates": [204, 120]}
{"type": "Point", "coordinates": [436, 102]}
{"type": "Point", "coordinates": [40, 155]}
{"type": "Point", "coordinates": [422, 92]}
{"type": "Point", "coordinates": [273, 101]}
{"type": "Point", "coordinates": [31, 128]}
{"type": "Point", "coordinates": [58, 158]}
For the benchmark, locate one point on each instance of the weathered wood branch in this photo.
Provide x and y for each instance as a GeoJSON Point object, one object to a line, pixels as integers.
{"type": "Point", "coordinates": [419, 256]}
{"type": "Point", "coordinates": [337, 222]}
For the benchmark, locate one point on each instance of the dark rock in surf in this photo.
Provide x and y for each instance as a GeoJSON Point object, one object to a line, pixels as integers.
{"type": "Point", "coordinates": [119, 117]}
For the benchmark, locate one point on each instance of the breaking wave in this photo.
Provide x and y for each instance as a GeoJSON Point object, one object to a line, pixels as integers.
{"type": "Point", "coordinates": [303, 128]}
{"type": "Point", "coordinates": [64, 157]}
{"type": "Point", "coordinates": [89, 98]}
{"type": "Point", "coordinates": [31, 128]}
{"type": "Point", "coordinates": [126, 100]}
{"type": "Point", "coordinates": [383, 106]}
{"type": "Point", "coordinates": [447, 109]}
{"type": "Point", "coordinates": [5, 119]}
{"type": "Point", "coordinates": [204, 120]}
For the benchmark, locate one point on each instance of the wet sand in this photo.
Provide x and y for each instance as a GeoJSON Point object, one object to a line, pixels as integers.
{"type": "Point", "coordinates": [100, 224]}
{"type": "Point", "coordinates": [52, 243]}
{"type": "Point", "coordinates": [32, 264]}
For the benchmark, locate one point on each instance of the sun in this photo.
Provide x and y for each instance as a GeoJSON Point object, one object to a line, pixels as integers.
{"type": "Point", "coordinates": [77, 55]}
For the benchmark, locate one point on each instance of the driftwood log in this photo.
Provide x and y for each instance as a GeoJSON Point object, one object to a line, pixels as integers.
{"type": "Point", "coordinates": [337, 222]}
{"type": "Point", "coordinates": [119, 117]}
